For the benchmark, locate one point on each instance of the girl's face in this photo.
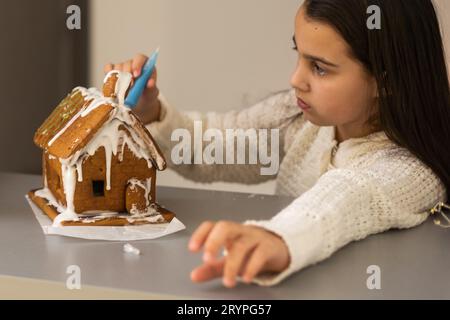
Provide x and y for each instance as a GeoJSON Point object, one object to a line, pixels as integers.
{"type": "Point", "coordinates": [336, 86]}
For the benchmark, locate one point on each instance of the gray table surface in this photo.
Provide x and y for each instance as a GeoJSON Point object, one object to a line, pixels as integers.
{"type": "Point", "coordinates": [414, 263]}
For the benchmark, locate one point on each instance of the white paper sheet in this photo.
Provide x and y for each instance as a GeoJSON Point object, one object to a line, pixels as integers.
{"type": "Point", "coordinates": [125, 233]}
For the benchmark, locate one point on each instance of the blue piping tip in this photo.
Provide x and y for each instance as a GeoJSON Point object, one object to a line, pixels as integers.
{"type": "Point", "coordinates": [139, 84]}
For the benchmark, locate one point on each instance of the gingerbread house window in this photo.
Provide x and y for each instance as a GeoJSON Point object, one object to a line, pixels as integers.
{"type": "Point", "coordinates": [98, 188]}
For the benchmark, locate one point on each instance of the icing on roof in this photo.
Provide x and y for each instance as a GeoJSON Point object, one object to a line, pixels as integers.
{"type": "Point", "coordinates": [84, 114]}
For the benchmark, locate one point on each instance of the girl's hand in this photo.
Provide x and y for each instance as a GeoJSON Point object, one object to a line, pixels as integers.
{"type": "Point", "coordinates": [250, 251]}
{"type": "Point", "coordinates": [148, 107]}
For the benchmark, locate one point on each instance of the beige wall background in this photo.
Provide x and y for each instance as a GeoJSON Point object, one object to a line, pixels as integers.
{"type": "Point", "coordinates": [216, 55]}
{"type": "Point", "coordinates": [443, 7]}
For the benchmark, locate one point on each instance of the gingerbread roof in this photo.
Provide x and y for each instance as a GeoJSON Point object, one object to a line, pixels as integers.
{"type": "Point", "coordinates": [82, 114]}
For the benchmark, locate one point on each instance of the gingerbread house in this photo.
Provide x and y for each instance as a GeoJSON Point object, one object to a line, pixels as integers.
{"type": "Point", "coordinates": [99, 160]}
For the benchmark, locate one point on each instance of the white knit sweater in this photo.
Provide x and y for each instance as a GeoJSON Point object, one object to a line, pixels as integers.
{"type": "Point", "coordinates": [368, 185]}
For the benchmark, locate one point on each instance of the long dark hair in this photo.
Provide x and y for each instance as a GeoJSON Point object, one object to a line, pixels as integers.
{"type": "Point", "coordinates": [406, 57]}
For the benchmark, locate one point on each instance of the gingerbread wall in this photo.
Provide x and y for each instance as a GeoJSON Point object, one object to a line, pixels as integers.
{"type": "Point", "coordinates": [94, 169]}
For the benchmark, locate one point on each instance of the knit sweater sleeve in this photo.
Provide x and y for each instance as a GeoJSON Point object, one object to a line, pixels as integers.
{"type": "Point", "coordinates": [347, 205]}
{"type": "Point", "coordinates": [275, 112]}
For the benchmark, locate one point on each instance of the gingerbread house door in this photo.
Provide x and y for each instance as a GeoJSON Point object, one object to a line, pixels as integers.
{"type": "Point", "coordinates": [137, 196]}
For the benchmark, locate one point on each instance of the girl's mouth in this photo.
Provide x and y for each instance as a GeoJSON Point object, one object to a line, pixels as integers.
{"type": "Point", "coordinates": [302, 104]}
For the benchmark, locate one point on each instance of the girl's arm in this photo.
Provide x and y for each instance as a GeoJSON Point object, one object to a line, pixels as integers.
{"type": "Point", "coordinates": [275, 112]}
{"type": "Point", "coordinates": [347, 205]}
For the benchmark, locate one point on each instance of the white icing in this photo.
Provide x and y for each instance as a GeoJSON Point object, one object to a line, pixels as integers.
{"type": "Point", "coordinates": [150, 215]}
{"type": "Point", "coordinates": [123, 82]}
{"type": "Point", "coordinates": [146, 187]}
{"type": "Point", "coordinates": [69, 182]}
{"type": "Point", "coordinates": [48, 195]}
{"type": "Point", "coordinates": [79, 168]}
{"type": "Point", "coordinates": [158, 160]}
{"type": "Point", "coordinates": [95, 213]}
{"type": "Point", "coordinates": [130, 249]}
{"type": "Point", "coordinates": [65, 214]}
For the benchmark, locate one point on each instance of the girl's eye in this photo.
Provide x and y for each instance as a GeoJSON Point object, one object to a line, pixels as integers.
{"type": "Point", "coordinates": [317, 69]}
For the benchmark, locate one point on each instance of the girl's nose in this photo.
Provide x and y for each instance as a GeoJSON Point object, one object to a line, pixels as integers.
{"type": "Point", "coordinates": [299, 79]}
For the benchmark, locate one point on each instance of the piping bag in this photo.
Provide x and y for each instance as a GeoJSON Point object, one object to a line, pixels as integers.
{"type": "Point", "coordinates": [139, 84]}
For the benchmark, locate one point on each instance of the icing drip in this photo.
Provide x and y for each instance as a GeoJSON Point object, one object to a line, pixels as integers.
{"type": "Point", "coordinates": [146, 187]}
{"type": "Point", "coordinates": [48, 195]}
{"type": "Point", "coordinates": [79, 168]}
{"type": "Point", "coordinates": [69, 181]}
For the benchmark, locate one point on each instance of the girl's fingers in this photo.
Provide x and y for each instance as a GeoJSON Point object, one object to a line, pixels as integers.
{"type": "Point", "coordinates": [152, 81]}
{"type": "Point", "coordinates": [255, 263]}
{"type": "Point", "coordinates": [236, 259]}
{"type": "Point", "coordinates": [199, 236]}
{"type": "Point", "coordinates": [223, 233]}
{"type": "Point", "coordinates": [118, 66]}
{"type": "Point", "coordinates": [134, 67]}
{"type": "Point", "coordinates": [208, 271]}
{"type": "Point", "coordinates": [127, 66]}
{"type": "Point", "coordinates": [108, 67]}
{"type": "Point", "coordinates": [137, 63]}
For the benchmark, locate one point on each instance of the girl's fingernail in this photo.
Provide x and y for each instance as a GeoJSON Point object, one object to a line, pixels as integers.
{"type": "Point", "coordinates": [207, 257]}
{"type": "Point", "coordinates": [228, 282]}
{"type": "Point", "coordinates": [136, 73]}
{"type": "Point", "coordinates": [192, 245]}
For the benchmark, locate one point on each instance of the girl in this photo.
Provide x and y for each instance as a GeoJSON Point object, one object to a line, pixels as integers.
{"type": "Point", "coordinates": [364, 139]}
